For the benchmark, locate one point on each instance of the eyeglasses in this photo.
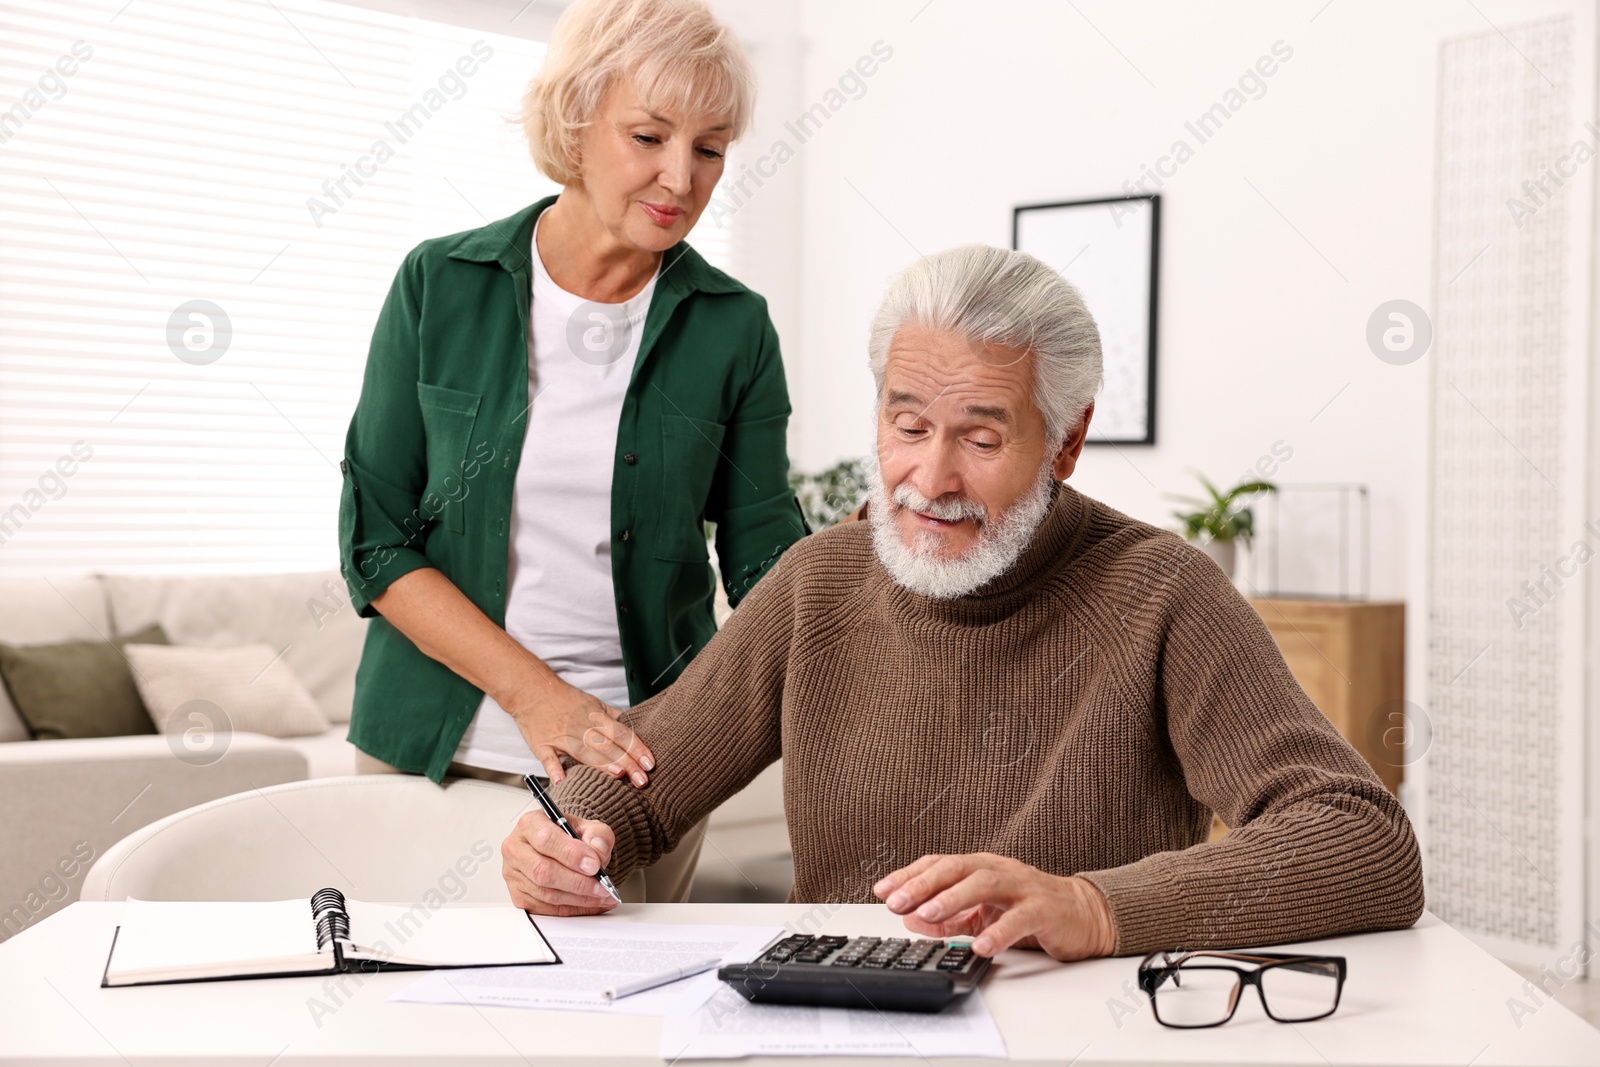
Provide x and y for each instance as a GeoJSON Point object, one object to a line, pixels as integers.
{"type": "Point", "coordinates": [1191, 990]}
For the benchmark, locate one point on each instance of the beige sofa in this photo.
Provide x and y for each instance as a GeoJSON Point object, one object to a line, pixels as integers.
{"type": "Point", "coordinates": [63, 803]}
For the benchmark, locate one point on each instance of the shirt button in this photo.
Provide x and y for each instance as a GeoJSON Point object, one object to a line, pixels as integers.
{"type": "Point", "coordinates": [629, 458]}
{"type": "Point", "coordinates": [626, 535]}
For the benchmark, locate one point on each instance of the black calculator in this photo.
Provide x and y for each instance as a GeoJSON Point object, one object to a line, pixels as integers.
{"type": "Point", "coordinates": [886, 973]}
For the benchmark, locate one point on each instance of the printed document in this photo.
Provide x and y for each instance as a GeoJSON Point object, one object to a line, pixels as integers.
{"type": "Point", "coordinates": [597, 955]}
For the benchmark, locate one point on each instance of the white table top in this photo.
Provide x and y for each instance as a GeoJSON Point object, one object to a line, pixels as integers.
{"type": "Point", "coordinates": [1421, 996]}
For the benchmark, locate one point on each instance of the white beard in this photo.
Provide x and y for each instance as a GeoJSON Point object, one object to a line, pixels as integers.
{"type": "Point", "coordinates": [918, 567]}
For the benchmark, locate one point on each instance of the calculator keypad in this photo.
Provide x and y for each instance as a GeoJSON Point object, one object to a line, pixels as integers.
{"type": "Point", "coordinates": [881, 973]}
{"type": "Point", "coordinates": [874, 953]}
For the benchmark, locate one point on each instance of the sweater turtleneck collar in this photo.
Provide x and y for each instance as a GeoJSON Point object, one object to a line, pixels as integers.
{"type": "Point", "coordinates": [1057, 536]}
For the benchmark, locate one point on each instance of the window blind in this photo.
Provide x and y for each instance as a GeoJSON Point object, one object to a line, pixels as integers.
{"type": "Point", "coordinates": [202, 205]}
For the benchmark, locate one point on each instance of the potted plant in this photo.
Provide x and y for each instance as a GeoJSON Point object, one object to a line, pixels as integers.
{"type": "Point", "coordinates": [1215, 525]}
{"type": "Point", "coordinates": [831, 495]}
{"type": "Point", "coordinates": [825, 498]}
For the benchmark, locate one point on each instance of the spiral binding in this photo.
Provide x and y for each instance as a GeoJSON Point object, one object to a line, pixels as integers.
{"type": "Point", "coordinates": [329, 914]}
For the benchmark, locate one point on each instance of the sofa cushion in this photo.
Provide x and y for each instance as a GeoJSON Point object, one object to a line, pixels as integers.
{"type": "Point", "coordinates": [307, 617]}
{"type": "Point", "coordinates": [246, 688]}
{"type": "Point", "coordinates": [40, 612]}
{"type": "Point", "coordinates": [73, 799]}
{"type": "Point", "coordinates": [78, 688]}
{"type": "Point", "coordinates": [12, 728]}
{"type": "Point", "coordinates": [328, 754]}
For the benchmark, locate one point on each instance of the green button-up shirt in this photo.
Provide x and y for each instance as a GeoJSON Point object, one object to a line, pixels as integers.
{"type": "Point", "coordinates": [431, 460]}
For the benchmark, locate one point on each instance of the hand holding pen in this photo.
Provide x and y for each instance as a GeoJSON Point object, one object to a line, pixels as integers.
{"type": "Point", "coordinates": [551, 868]}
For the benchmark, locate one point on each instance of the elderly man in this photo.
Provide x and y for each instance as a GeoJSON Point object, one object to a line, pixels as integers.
{"type": "Point", "coordinates": [1004, 708]}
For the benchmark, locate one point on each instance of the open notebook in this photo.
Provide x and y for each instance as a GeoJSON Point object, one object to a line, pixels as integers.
{"type": "Point", "coordinates": [193, 941]}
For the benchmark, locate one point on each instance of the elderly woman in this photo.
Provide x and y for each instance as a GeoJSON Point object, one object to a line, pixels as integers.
{"type": "Point", "coordinates": [553, 407]}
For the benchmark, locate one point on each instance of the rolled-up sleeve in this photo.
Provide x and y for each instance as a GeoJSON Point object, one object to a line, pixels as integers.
{"type": "Point", "coordinates": [752, 503]}
{"type": "Point", "coordinates": [381, 519]}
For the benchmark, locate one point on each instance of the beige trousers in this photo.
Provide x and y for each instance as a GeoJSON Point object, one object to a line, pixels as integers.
{"type": "Point", "coordinates": [668, 880]}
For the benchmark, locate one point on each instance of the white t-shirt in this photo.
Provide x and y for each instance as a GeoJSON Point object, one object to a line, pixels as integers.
{"type": "Point", "coordinates": [561, 605]}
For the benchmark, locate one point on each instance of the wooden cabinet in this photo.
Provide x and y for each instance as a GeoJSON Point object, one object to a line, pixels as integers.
{"type": "Point", "coordinates": [1349, 656]}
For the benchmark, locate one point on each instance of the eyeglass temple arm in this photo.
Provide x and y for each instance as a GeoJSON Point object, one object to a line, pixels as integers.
{"type": "Point", "coordinates": [1247, 957]}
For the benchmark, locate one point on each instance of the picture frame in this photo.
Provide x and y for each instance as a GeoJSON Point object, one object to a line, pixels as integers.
{"type": "Point", "coordinates": [1109, 247]}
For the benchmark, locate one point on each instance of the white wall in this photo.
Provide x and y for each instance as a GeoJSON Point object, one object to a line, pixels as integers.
{"type": "Point", "coordinates": [1313, 205]}
{"type": "Point", "coordinates": [765, 217]}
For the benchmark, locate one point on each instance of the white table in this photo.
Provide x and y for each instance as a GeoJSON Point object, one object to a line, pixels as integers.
{"type": "Point", "coordinates": [1421, 996]}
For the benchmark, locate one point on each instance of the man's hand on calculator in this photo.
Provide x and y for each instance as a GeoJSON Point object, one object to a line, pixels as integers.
{"type": "Point", "coordinates": [1000, 902]}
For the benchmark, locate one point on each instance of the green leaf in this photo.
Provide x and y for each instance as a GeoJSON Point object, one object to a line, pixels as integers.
{"type": "Point", "coordinates": [1221, 500]}
{"type": "Point", "coordinates": [828, 496]}
{"type": "Point", "coordinates": [1251, 488]}
{"type": "Point", "coordinates": [1222, 517]}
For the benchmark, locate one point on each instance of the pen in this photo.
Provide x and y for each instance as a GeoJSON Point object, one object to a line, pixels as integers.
{"type": "Point", "coordinates": [661, 979]}
{"type": "Point", "coordinates": [560, 820]}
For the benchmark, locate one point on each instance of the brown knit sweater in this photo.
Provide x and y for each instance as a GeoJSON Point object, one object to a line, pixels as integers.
{"type": "Point", "coordinates": [1084, 713]}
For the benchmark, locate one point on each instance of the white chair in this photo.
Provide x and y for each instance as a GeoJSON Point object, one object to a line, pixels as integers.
{"type": "Point", "coordinates": [379, 837]}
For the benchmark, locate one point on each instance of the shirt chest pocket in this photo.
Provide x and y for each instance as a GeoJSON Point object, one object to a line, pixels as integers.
{"type": "Point", "coordinates": [448, 416]}
{"type": "Point", "coordinates": [690, 453]}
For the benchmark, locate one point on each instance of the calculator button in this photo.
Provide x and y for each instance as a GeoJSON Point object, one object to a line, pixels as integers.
{"type": "Point", "coordinates": [886, 953]}
{"type": "Point", "coordinates": [785, 950]}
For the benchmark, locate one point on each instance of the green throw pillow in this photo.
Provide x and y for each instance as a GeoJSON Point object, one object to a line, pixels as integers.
{"type": "Point", "coordinates": [78, 688]}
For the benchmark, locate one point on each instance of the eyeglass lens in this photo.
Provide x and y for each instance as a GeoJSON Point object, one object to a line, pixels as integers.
{"type": "Point", "coordinates": [1196, 996]}
{"type": "Point", "coordinates": [1297, 991]}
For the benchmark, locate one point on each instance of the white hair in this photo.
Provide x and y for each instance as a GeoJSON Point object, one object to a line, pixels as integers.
{"type": "Point", "coordinates": [996, 296]}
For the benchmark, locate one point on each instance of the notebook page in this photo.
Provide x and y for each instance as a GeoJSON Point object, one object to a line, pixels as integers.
{"type": "Point", "coordinates": [203, 936]}
{"type": "Point", "coordinates": [446, 937]}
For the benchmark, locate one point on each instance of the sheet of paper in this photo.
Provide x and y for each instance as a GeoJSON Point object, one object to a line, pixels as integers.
{"type": "Point", "coordinates": [597, 954]}
{"type": "Point", "coordinates": [159, 934]}
{"type": "Point", "coordinates": [448, 936]}
{"type": "Point", "coordinates": [728, 1026]}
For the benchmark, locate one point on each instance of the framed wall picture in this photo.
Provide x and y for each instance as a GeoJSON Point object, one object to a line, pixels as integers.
{"type": "Point", "coordinates": [1108, 248]}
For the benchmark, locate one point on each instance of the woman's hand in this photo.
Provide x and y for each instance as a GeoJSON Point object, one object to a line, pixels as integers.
{"type": "Point", "coordinates": [556, 718]}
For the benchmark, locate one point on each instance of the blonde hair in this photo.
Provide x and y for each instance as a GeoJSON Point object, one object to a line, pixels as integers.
{"type": "Point", "coordinates": [675, 52]}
